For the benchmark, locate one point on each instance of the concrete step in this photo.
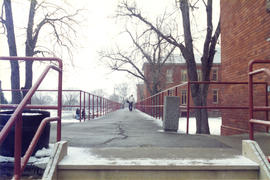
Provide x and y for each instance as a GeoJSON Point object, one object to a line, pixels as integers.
{"type": "Point", "coordinates": [155, 163]}
{"type": "Point", "coordinates": [117, 172]}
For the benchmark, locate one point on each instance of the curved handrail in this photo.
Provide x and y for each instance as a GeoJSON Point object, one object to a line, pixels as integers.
{"type": "Point", "coordinates": [35, 139]}
{"type": "Point", "coordinates": [21, 106]}
{"type": "Point", "coordinates": [251, 73]}
{"type": "Point", "coordinates": [16, 117]}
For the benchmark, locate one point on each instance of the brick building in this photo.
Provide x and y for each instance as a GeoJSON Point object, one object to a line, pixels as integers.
{"type": "Point", "coordinates": [173, 74]}
{"type": "Point", "coordinates": [245, 35]}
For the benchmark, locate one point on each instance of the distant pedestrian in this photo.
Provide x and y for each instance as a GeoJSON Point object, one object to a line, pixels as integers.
{"type": "Point", "coordinates": [130, 102]}
{"type": "Point", "coordinates": [77, 116]}
{"type": "Point", "coordinates": [83, 114]}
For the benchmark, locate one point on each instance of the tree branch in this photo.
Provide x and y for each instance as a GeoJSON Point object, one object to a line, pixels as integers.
{"type": "Point", "coordinates": [133, 12]}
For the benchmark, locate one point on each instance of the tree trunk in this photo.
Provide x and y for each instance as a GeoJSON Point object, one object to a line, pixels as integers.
{"type": "Point", "coordinates": [198, 92]}
{"type": "Point", "coordinates": [29, 48]}
{"type": "Point", "coordinates": [15, 71]}
{"type": "Point", "coordinates": [202, 126]}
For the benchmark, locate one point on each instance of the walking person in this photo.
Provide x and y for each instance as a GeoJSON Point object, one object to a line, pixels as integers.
{"type": "Point", "coordinates": [130, 102]}
{"type": "Point", "coordinates": [77, 116]}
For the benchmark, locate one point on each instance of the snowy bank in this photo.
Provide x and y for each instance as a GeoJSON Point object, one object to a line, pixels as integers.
{"type": "Point", "coordinates": [214, 124]}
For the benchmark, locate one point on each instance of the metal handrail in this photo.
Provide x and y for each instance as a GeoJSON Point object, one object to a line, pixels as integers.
{"type": "Point", "coordinates": [155, 102]}
{"type": "Point", "coordinates": [102, 103]}
{"type": "Point", "coordinates": [105, 107]}
{"type": "Point", "coordinates": [16, 117]}
{"type": "Point", "coordinates": [253, 108]}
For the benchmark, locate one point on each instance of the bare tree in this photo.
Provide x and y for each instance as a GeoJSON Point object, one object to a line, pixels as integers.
{"type": "Point", "coordinates": [121, 90]}
{"type": "Point", "coordinates": [70, 99]}
{"type": "Point", "coordinates": [40, 99]}
{"type": "Point", "coordinates": [114, 97]}
{"type": "Point", "coordinates": [15, 70]}
{"type": "Point", "coordinates": [60, 28]}
{"type": "Point", "coordinates": [147, 47]}
{"type": "Point", "coordinates": [99, 92]}
{"type": "Point", "coordinates": [198, 92]}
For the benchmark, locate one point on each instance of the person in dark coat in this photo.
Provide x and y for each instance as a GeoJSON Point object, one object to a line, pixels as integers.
{"type": "Point", "coordinates": [130, 102]}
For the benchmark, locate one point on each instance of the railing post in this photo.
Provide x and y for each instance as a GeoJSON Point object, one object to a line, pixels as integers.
{"type": "Point", "coordinates": [93, 106]}
{"type": "Point", "coordinates": [162, 102]}
{"type": "Point", "coordinates": [103, 106]}
{"type": "Point", "coordinates": [89, 109]}
{"type": "Point", "coordinates": [250, 95]}
{"type": "Point", "coordinates": [18, 147]}
{"type": "Point", "coordinates": [152, 106]}
{"type": "Point", "coordinates": [188, 104]}
{"type": "Point", "coordinates": [156, 106]}
{"type": "Point", "coordinates": [100, 106]}
{"type": "Point", "coordinates": [80, 105]}
{"type": "Point", "coordinates": [97, 106]}
{"type": "Point", "coordinates": [59, 103]}
{"type": "Point", "coordinates": [84, 109]}
{"type": "Point", "coordinates": [266, 104]}
{"type": "Point", "coordinates": [159, 103]}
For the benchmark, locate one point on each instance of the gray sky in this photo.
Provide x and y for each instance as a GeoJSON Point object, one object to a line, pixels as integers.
{"type": "Point", "coordinates": [97, 31]}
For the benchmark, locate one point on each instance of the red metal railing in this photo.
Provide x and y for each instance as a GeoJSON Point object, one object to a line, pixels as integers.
{"type": "Point", "coordinates": [153, 105]}
{"type": "Point", "coordinates": [16, 117]}
{"type": "Point", "coordinates": [97, 106]}
{"type": "Point", "coordinates": [102, 106]}
{"type": "Point", "coordinates": [253, 108]}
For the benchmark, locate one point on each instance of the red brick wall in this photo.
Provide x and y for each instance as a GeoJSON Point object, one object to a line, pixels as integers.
{"type": "Point", "coordinates": [245, 27]}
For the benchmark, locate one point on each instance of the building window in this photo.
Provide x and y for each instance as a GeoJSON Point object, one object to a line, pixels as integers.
{"type": "Point", "coordinates": [214, 74]}
{"type": "Point", "coordinates": [215, 96]}
{"type": "Point", "coordinates": [183, 75]}
{"type": "Point", "coordinates": [199, 73]}
{"type": "Point", "coordinates": [183, 97]}
{"type": "Point", "coordinates": [169, 76]}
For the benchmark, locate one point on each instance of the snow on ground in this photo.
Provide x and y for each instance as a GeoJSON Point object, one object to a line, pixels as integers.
{"type": "Point", "coordinates": [40, 159]}
{"type": "Point", "coordinates": [82, 156]}
{"type": "Point", "coordinates": [214, 124]}
{"type": "Point", "coordinates": [67, 116]}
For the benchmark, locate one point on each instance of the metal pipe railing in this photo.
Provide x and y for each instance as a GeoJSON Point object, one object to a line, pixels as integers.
{"type": "Point", "coordinates": [147, 106]}
{"type": "Point", "coordinates": [100, 104]}
{"type": "Point", "coordinates": [253, 108]}
{"type": "Point", "coordinates": [16, 117]}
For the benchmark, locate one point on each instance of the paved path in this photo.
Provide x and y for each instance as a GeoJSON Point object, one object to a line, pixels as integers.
{"type": "Point", "coordinates": [130, 129]}
{"type": "Point", "coordinates": [135, 130]}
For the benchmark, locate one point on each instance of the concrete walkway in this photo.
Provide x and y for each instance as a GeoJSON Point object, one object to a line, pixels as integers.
{"type": "Point", "coordinates": [136, 135]}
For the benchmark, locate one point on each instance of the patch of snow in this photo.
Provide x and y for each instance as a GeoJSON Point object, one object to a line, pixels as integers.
{"type": "Point", "coordinates": [40, 159]}
{"type": "Point", "coordinates": [214, 124]}
{"type": "Point", "coordinates": [68, 116]}
{"type": "Point", "coordinates": [83, 156]}
{"type": "Point", "coordinates": [31, 114]}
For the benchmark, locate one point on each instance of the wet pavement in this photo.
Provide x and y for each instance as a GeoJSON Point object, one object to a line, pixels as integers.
{"type": "Point", "coordinates": [135, 130]}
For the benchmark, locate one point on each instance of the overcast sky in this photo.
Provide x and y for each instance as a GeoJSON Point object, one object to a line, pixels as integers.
{"type": "Point", "coordinates": [98, 30]}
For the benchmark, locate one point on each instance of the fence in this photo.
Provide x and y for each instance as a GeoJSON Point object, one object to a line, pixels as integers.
{"type": "Point", "coordinates": [102, 106]}
{"type": "Point", "coordinates": [252, 107]}
{"type": "Point", "coordinates": [153, 105]}
{"type": "Point", "coordinates": [93, 105]}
